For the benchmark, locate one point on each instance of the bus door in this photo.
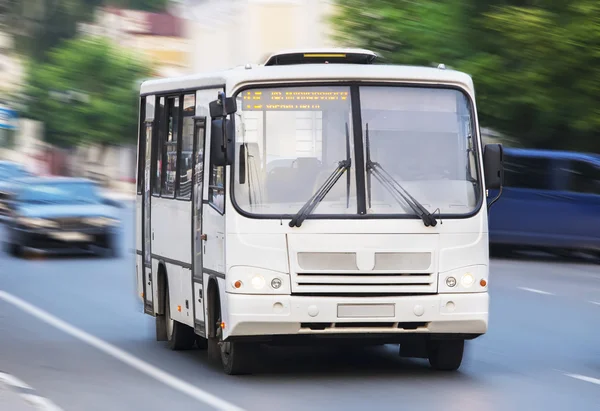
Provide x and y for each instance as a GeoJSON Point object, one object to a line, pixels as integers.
{"type": "Point", "coordinates": [148, 288]}
{"type": "Point", "coordinates": [197, 236]}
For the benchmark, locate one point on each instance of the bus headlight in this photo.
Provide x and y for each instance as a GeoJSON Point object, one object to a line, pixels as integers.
{"type": "Point", "coordinates": [467, 280]}
{"type": "Point", "coordinates": [253, 280]}
{"type": "Point", "coordinates": [472, 278]}
{"type": "Point", "coordinates": [258, 282]}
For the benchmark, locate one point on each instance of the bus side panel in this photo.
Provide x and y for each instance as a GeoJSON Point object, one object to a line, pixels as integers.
{"type": "Point", "coordinates": [180, 293]}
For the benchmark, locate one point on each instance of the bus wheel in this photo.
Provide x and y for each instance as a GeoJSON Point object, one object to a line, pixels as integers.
{"type": "Point", "coordinates": [235, 357]}
{"type": "Point", "coordinates": [179, 336]}
{"type": "Point", "coordinates": [446, 355]}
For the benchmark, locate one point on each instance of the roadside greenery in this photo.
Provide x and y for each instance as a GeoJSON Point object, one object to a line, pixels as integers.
{"type": "Point", "coordinates": [534, 63]}
{"type": "Point", "coordinates": [40, 25]}
{"type": "Point", "coordinates": [86, 92]}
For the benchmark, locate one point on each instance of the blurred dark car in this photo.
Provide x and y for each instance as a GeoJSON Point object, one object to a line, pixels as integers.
{"type": "Point", "coordinates": [550, 201]}
{"type": "Point", "coordinates": [62, 215]}
{"type": "Point", "coordinates": [10, 174]}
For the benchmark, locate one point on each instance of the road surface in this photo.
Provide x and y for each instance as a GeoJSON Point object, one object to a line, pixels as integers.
{"type": "Point", "coordinates": [73, 331]}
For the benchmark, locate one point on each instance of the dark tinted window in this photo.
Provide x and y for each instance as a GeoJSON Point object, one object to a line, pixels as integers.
{"type": "Point", "coordinates": [61, 193]}
{"type": "Point", "coordinates": [527, 172]}
{"type": "Point", "coordinates": [584, 177]}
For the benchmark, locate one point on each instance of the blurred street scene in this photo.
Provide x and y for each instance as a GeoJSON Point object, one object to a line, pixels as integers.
{"type": "Point", "coordinates": [72, 333]}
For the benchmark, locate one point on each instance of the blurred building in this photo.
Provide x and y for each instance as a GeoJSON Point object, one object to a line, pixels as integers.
{"type": "Point", "coordinates": [229, 33]}
{"type": "Point", "coordinates": [159, 37]}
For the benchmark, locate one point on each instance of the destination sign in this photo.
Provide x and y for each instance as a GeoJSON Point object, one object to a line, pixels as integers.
{"type": "Point", "coordinates": [298, 99]}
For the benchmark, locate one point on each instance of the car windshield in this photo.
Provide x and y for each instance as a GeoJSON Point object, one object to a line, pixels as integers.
{"type": "Point", "coordinates": [59, 193]}
{"type": "Point", "coordinates": [294, 138]}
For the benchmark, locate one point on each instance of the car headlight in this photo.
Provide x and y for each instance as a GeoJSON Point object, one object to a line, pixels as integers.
{"type": "Point", "coordinates": [101, 221]}
{"type": "Point", "coordinates": [38, 222]}
{"type": "Point", "coordinates": [251, 280]}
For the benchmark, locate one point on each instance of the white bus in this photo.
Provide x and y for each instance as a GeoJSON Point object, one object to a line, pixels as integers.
{"type": "Point", "coordinates": [331, 198]}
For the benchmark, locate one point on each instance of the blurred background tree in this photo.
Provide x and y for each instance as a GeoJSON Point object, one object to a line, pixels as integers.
{"type": "Point", "coordinates": [86, 92]}
{"type": "Point", "coordinates": [40, 25]}
{"type": "Point", "coordinates": [534, 62]}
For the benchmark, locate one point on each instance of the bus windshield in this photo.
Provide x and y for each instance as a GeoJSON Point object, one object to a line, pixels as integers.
{"type": "Point", "coordinates": [294, 138]}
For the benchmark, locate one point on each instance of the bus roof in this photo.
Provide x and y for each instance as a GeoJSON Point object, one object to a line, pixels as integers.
{"type": "Point", "coordinates": [233, 78]}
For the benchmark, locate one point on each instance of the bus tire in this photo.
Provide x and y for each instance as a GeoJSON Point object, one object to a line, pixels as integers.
{"type": "Point", "coordinates": [446, 355]}
{"type": "Point", "coordinates": [235, 357]}
{"type": "Point", "coordinates": [179, 336]}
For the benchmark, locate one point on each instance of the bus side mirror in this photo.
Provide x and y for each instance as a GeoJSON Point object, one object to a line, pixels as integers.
{"type": "Point", "coordinates": [493, 166]}
{"type": "Point", "coordinates": [222, 107]}
{"type": "Point", "coordinates": [221, 147]}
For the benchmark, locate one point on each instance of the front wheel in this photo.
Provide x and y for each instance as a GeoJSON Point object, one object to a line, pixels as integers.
{"type": "Point", "coordinates": [236, 358]}
{"type": "Point", "coordinates": [446, 355]}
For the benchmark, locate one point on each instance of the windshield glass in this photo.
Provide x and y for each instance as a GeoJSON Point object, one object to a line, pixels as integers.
{"type": "Point", "coordinates": [294, 138]}
{"type": "Point", "coordinates": [61, 193]}
{"type": "Point", "coordinates": [422, 137]}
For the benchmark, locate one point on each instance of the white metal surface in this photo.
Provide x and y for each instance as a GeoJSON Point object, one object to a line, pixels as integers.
{"type": "Point", "coordinates": [270, 315]}
{"type": "Point", "coordinates": [341, 257]}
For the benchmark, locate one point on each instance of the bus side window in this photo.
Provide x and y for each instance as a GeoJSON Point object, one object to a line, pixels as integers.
{"type": "Point", "coordinates": [216, 186]}
{"type": "Point", "coordinates": [184, 160]}
{"type": "Point", "coordinates": [170, 132]}
{"type": "Point", "coordinates": [584, 177]}
{"type": "Point", "coordinates": [141, 160]}
{"type": "Point", "coordinates": [157, 152]}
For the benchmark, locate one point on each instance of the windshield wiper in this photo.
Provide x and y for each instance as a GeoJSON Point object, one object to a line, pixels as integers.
{"type": "Point", "coordinates": [319, 195]}
{"type": "Point", "coordinates": [394, 187]}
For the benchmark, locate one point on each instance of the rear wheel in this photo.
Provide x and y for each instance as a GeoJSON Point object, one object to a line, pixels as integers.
{"type": "Point", "coordinates": [179, 336]}
{"type": "Point", "coordinates": [446, 355]}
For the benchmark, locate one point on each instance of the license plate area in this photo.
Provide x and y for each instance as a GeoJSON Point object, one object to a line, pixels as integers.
{"type": "Point", "coordinates": [366, 310]}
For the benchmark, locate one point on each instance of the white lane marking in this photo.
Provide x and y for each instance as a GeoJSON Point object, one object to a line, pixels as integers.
{"type": "Point", "coordinates": [31, 397]}
{"type": "Point", "coordinates": [584, 378]}
{"type": "Point", "coordinates": [533, 290]}
{"type": "Point", "coordinates": [13, 381]}
{"type": "Point", "coordinates": [121, 355]}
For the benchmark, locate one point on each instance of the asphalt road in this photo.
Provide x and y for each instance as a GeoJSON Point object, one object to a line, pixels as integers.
{"type": "Point", "coordinates": [81, 348]}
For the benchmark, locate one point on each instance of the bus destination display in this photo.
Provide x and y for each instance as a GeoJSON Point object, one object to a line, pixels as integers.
{"type": "Point", "coordinates": [295, 99]}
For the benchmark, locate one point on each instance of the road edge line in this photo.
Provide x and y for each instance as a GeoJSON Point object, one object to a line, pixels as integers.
{"type": "Point", "coordinates": [121, 355]}
{"type": "Point", "coordinates": [27, 393]}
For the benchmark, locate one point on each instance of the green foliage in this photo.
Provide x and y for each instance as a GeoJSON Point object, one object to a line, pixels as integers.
{"type": "Point", "coordinates": [40, 25]}
{"type": "Point", "coordinates": [109, 79]}
{"type": "Point", "coordinates": [534, 62]}
{"type": "Point", "coordinates": [146, 5]}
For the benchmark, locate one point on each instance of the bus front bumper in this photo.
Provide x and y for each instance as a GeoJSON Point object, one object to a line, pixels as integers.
{"type": "Point", "coordinates": [270, 315]}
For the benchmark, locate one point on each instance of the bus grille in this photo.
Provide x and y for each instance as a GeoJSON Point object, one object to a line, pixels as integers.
{"type": "Point", "coordinates": [365, 283]}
